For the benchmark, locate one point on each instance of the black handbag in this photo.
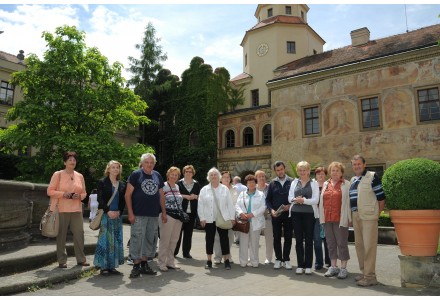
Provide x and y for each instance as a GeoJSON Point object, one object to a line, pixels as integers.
{"type": "Point", "coordinates": [177, 214]}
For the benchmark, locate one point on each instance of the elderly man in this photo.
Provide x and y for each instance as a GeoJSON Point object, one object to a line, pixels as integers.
{"type": "Point", "coordinates": [367, 200]}
{"type": "Point", "coordinates": [145, 199]}
{"type": "Point", "coordinates": [236, 181]}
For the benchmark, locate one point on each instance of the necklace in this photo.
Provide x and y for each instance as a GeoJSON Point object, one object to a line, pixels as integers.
{"type": "Point", "coordinates": [70, 175]}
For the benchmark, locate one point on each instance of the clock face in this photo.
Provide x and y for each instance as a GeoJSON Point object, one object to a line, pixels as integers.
{"type": "Point", "coordinates": [262, 49]}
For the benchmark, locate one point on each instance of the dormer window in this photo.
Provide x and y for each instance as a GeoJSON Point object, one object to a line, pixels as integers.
{"type": "Point", "coordinates": [269, 12]}
{"type": "Point", "coordinates": [288, 10]}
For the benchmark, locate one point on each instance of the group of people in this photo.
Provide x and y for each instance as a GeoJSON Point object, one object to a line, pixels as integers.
{"type": "Point", "coordinates": [315, 211]}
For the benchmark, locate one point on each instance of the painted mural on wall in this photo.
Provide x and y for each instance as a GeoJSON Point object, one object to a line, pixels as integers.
{"type": "Point", "coordinates": [286, 125]}
{"type": "Point", "coordinates": [398, 109]}
{"type": "Point", "coordinates": [339, 118]}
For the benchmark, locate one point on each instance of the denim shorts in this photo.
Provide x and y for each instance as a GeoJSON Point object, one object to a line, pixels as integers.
{"type": "Point", "coordinates": [143, 237]}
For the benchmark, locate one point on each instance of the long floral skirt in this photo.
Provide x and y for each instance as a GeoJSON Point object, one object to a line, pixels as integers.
{"type": "Point", "coordinates": [110, 247]}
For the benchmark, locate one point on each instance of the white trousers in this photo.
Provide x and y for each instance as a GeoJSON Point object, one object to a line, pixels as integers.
{"type": "Point", "coordinates": [218, 250]}
{"type": "Point", "coordinates": [249, 247]}
{"type": "Point", "coordinates": [268, 237]}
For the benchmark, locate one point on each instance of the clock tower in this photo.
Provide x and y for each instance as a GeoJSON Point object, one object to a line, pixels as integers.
{"type": "Point", "coordinates": [280, 36]}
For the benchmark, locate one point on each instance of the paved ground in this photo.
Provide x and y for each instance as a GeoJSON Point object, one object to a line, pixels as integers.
{"type": "Point", "coordinates": [193, 279]}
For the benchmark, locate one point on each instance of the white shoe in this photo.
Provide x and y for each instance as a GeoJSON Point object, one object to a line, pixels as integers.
{"type": "Point", "coordinates": [266, 262]}
{"type": "Point", "coordinates": [287, 265]}
{"type": "Point", "coordinates": [299, 271]}
{"type": "Point", "coordinates": [308, 271]}
{"type": "Point", "coordinates": [277, 264]}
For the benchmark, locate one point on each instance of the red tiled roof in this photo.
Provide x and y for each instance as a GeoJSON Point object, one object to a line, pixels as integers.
{"type": "Point", "coordinates": [240, 77]}
{"type": "Point", "coordinates": [378, 48]}
{"type": "Point", "coordinates": [279, 19]}
{"type": "Point", "coordinates": [9, 57]}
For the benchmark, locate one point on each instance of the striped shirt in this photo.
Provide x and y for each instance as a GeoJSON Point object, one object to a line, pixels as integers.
{"type": "Point", "coordinates": [376, 185]}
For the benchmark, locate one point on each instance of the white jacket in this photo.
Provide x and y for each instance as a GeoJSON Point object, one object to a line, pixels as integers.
{"type": "Point", "coordinates": [312, 201]}
{"type": "Point", "coordinates": [257, 208]}
{"type": "Point", "coordinates": [206, 203]}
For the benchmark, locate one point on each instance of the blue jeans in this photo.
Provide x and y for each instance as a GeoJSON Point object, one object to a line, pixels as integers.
{"type": "Point", "coordinates": [317, 244]}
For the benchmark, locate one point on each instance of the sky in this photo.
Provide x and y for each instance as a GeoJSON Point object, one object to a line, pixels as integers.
{"type": "Point", "coordinates": [211, 31]}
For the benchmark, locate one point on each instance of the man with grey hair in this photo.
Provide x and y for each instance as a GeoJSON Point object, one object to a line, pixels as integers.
{"type": "Point", "coordinates": [236, 181]}
{"type": "Point", "coordinates": [145, 199]}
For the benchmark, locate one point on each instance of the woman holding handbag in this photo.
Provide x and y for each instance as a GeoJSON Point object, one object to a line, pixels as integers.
{"type": "Point", "coordinates": [110, 248]}
{"type": "Point", "coordinates": [250, 206]}
{"type": "Point", "coordinates": [215, 204]}
{"type": "Point", "coordinates": [66, 190]}
{"type": "Point", "coordinates": [170, 231]}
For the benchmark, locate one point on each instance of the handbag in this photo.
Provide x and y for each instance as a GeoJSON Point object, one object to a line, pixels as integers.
{"type": "Point", "coordinates": [50, 223]}
{"type": "Point", "coordinates": [96, 222]}
{"type": "Point", "coordinates": [179, 214]}
{"type": "Point", "coordinates": [240, 224]}
{"type": "Point", "coordinates": [220, 221]}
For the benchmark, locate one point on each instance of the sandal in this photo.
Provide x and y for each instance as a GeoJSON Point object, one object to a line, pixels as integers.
{"type": "Point", "coordinates": [83, 264]}
{"type": "Point", "coordinates": [115, 272]}
{"type": "Point", "coordinates": [105, 272]}
{"type": "Point", "coordinates": [62, 266]}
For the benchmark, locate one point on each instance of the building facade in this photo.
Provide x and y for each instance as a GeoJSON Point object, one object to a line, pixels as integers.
{"type": "Point", "coordinates": [378, 98]}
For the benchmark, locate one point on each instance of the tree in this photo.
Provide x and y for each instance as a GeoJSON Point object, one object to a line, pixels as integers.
{"type": "Point", "coordinates": [235, 96]}
{"type": "Point", "coordinates": [73, 100]}
{"type": "Point", "coordinates": [145, 70]}
{"type": "Point", "coordinates": [202, 95]}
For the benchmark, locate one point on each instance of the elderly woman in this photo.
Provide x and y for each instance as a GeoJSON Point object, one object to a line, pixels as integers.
{"type": "Point", "coordinates": [66, 190]}
{"type": "Point", "coordinates": [250, 206]}
{"type": "Point", "coordinates": [215, 199]}
{"type": "Point", "coordinates": [170, 231]}
{"type": "Point", "coordinates": [190, 190]}
{"type": "Point", "coordinates": [304, 195]}
{"type": "Point", "coordinates": [110, 248]}
{"type": "Point", "coordinates": [263, 186]}
{"type": "Point", "coordinates": [318, 233]}
{"type": "Point", "coordinates": [226, 180]}
{"type": "Point", "coordinates": [335, 214]}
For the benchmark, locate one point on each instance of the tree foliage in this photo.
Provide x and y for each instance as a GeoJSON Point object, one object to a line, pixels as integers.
{"type": "Point", "coordinates": [73, 100]}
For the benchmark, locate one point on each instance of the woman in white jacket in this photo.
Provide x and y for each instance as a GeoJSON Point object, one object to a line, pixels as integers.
{"type": "Point", "coordinates": [250, 206]}
{"type": "Point", "coordinates": [215, 198]}
{"type": "Point", "coordinates": [304, 194]}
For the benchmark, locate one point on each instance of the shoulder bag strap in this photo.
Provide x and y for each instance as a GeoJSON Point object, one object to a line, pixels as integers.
{"type": "Point", "coordinates": [114, 194]}
{"type": "Point", "coordinates": [215, 199]}
{"type": "Point", "coordinates": [175, 200]}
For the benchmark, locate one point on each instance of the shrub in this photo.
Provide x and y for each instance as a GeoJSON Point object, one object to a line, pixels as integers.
{"type": "Point", "coordinates": [412, 184]}
{"type": "Point", "coordinates": [385, 220]}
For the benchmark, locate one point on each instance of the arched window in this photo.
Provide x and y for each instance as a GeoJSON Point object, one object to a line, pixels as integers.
{"type": "Point", "coordinates": [230, 139]}
{"type": "Point", "coordinates": [248, 136]}
{"type": "Point", "coordinates": [193, 139]}
{"type": "Point", "coordinates": [267, 134]}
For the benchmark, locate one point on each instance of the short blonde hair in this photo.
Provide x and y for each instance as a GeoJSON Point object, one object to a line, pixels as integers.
{"type": "Point", "coordinates": [189, 167]}
{"type": "Point", "coordinates": [258, 172]}
{"type": "Point", "coordinates": [303, 165]}
{"type": "Point", "coordinates": [173, 169]}
{"type": "Point", "coordinates": [107, 169]}
{"type": "Point", "coordinates": [338, 165]}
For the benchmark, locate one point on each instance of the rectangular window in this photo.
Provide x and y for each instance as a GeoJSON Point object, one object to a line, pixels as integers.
{"type": "Point", "coordinates": [291, 47]}
{"type": "Point", "coordinates": [428, 100]}
{"type": "Point", "coordinates": [6, 93]}
{"type": "Point", "coordinates": [288, 10]}
{"type": "Point", "coordinates": [255, 98]}
{"type": "Point", "coordinates": [245, 60]}
{"type": "Point", "coordinates": [269, 12]}
{"type": "Point", "coordinates": [302, 15]}
{"type": "Point", "coordinates": [370, 113]}
{"type": "Point", "coordinates": [311, 120]}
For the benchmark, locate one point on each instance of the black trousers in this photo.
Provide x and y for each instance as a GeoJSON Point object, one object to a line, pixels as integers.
{"type": "Point", "coordinates": [186, 235]}
{"type": "Point", "coordinates": [282, 225]}
{"type": "Point", "coordinates": [303, 226]}
{"type": "Point", "coordinates": [210, 229]}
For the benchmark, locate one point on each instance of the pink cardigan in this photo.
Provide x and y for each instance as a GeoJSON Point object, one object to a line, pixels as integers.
{"type": "Point", "coordinates": [60, 183]}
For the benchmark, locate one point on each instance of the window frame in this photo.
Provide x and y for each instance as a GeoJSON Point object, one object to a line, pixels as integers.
{"type": "Point", "coordinates": [263, 134]}
{"type": "Point", "coordinates": [270, 12]}
{"type": "Point", "coordinates": [288, 10]}
{"type": "Point", "coordinates": [304, 120]}
{"type": "Point", "coordinates": [255, 101]}
{"type": "Point", "coordinates": [289, 47]}
{"type": "Point", "coordinates": [244, 137]}
{"type": "Point", "coordinates": [226, 138]}
{"type": "Point", "coordinates": [361, 113]}
{"type": "Point", "coordinates": [417, 103]}
{"type": "Point", "coordinates": [9, 87]}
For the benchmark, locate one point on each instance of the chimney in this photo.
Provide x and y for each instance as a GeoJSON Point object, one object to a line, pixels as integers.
{"type": "Point", "coordinates": [20, 55]}
{"type": "Point", "coordinates": [360, 36]}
